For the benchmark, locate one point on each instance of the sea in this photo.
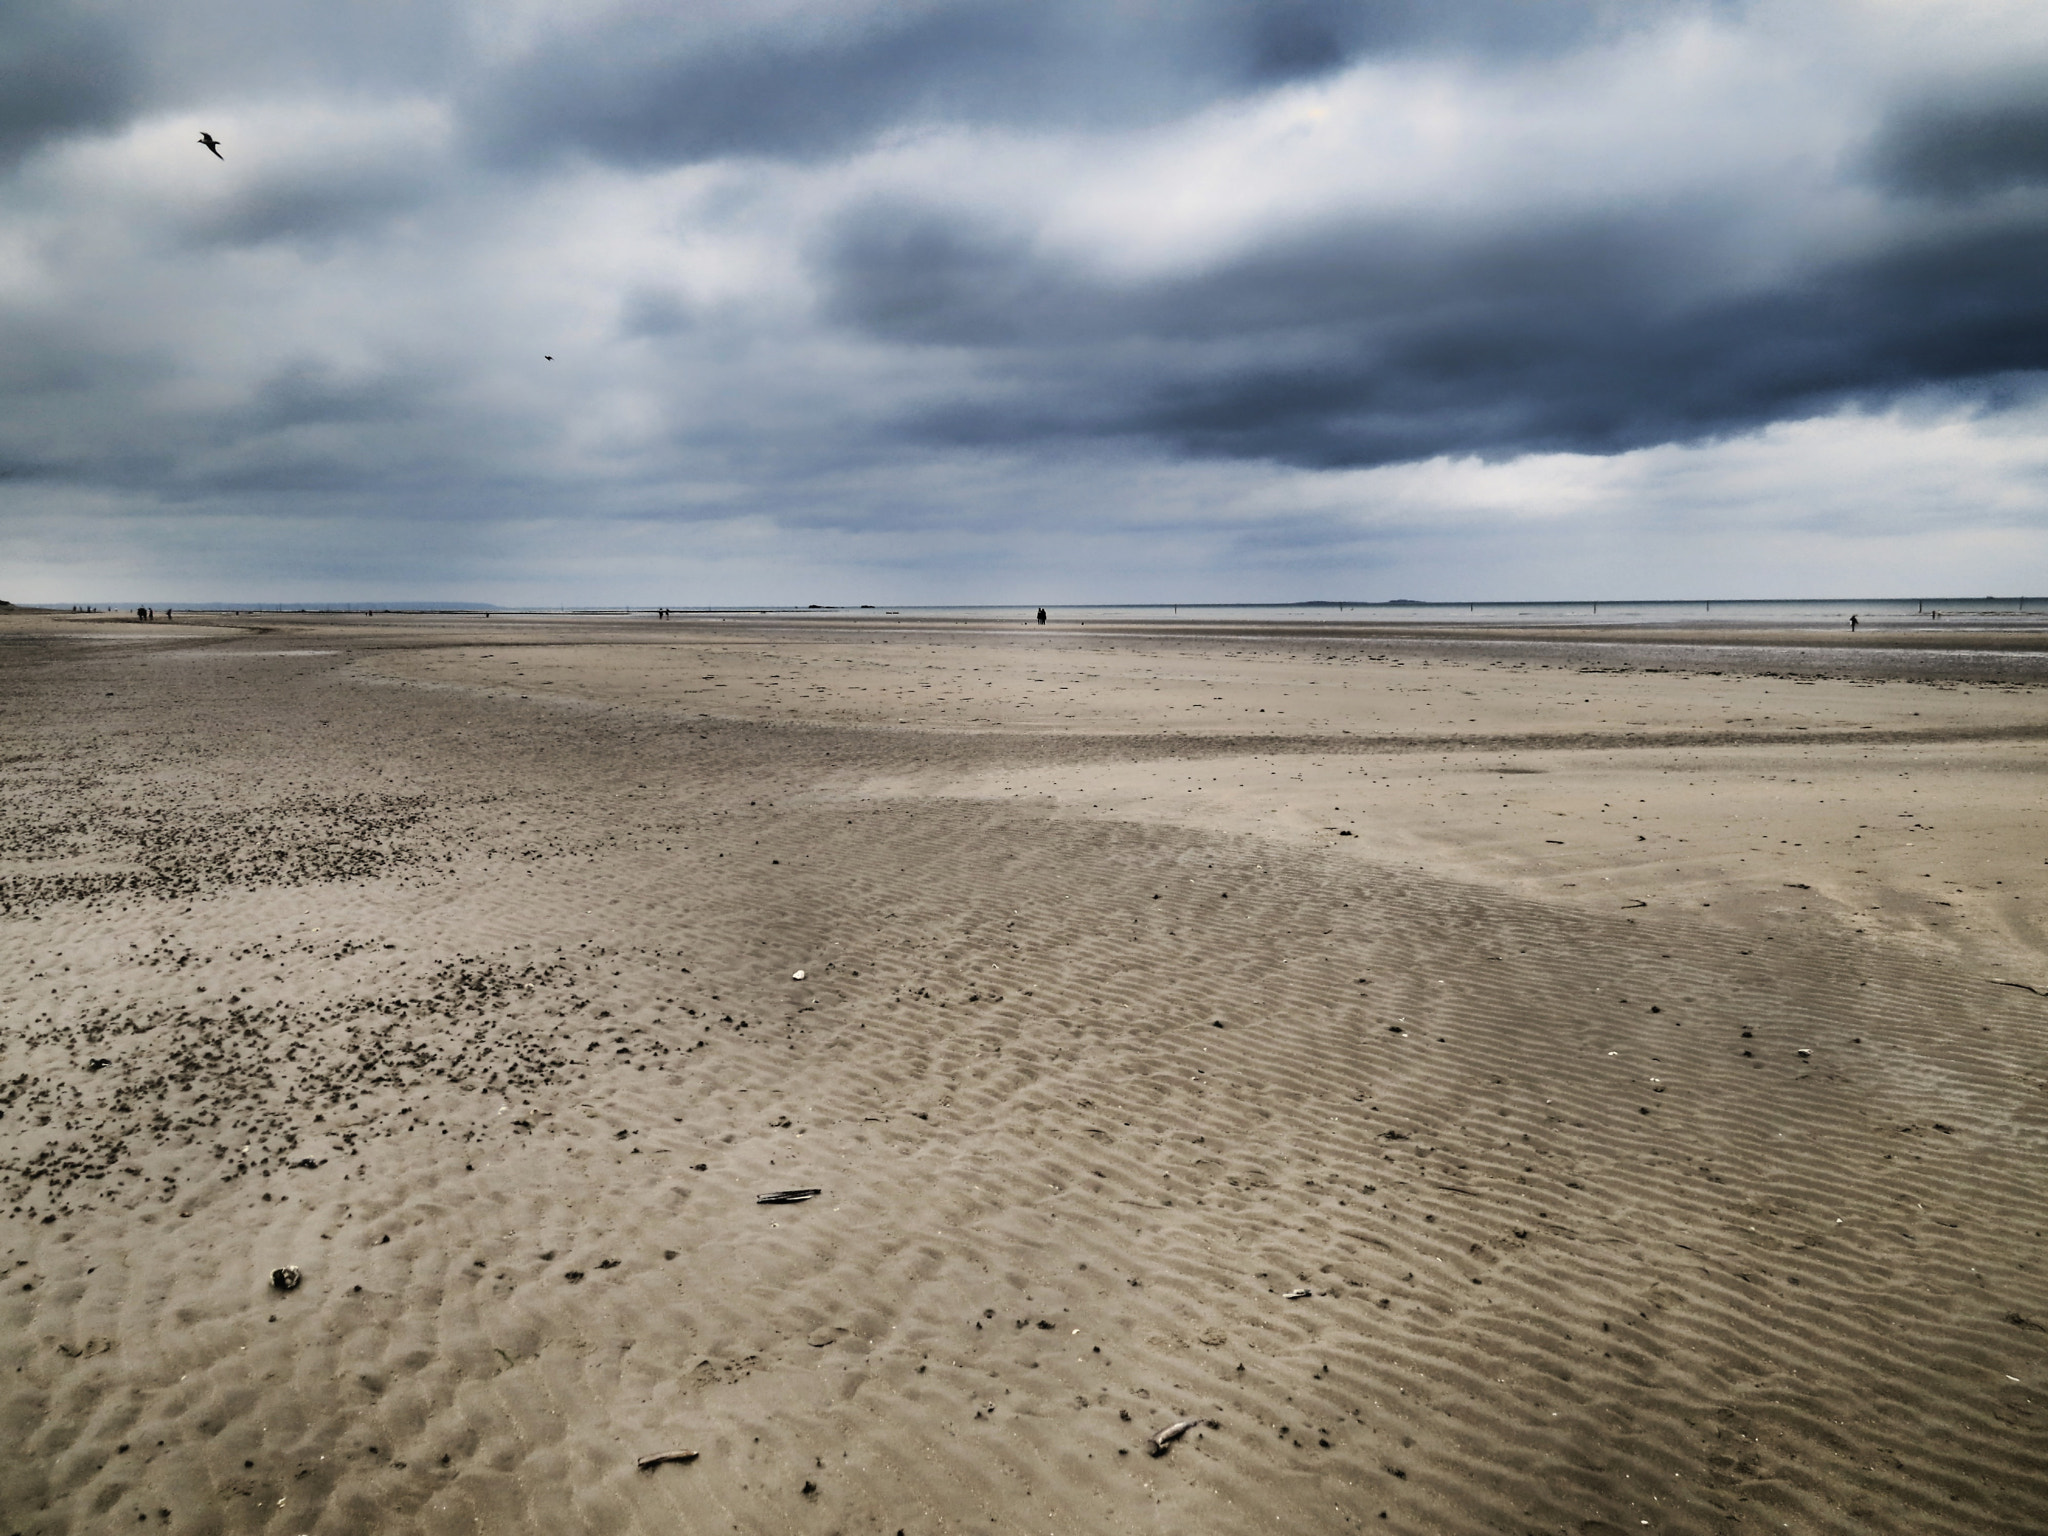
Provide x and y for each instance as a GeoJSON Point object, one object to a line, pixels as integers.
{"type": "Point", "coordinates": [1743, 613]}
{"type": "Point", "coordinates": [1735, 613]}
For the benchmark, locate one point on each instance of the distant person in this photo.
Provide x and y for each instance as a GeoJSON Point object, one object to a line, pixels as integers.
{"type": "Point", "coordinates": [142, 615]}
{"type": "Point", "coordinates": [1852, 623]}
{"type": "Point", "coordinates": [1041, 615]}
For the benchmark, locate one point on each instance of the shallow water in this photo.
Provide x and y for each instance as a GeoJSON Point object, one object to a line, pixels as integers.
{"type": "Point", "coordinates": [1805, 613]}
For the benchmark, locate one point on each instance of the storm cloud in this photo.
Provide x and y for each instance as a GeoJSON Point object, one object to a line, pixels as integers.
{"type": "Point", "coordinates": [645, 86]}
{"type": "Point", "coordinates": [958, 299]}
{"type": "Point", "coordinates": [1377, 344]}
{"type": "Point", "coordinates": [1966, 149]}
{"type": "Point", "coordinates": [61, 71]}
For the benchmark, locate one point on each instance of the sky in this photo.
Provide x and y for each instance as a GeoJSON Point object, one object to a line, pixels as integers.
{"type": "Point", "coordinates": [1041, 301]}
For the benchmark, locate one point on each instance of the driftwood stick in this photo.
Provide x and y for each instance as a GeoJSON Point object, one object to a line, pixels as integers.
{"type": "Point", "coordinates": [648, 1463]}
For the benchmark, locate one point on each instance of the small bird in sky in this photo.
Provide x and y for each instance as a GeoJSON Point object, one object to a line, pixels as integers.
{"type": "Point", "coordinates": [213, 144]}
{"type": "Point", "coordinates": [547, 357]}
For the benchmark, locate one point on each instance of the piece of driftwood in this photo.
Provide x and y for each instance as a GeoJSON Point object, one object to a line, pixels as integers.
{"type": "Point", "coordinates": [2024, 986]}
{"type": "Point", "coordinates": [1158, 1443]}
{"type": "Point", "coordinates": [648, 1463]}
{"type": "Point", "coordinates": [787, 1196]}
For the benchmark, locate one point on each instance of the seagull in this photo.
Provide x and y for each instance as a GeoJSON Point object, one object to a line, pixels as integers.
{"type": "Point", "coordinates": [213, 144]}
{"type": "Point", "coordinates": [547, 357]}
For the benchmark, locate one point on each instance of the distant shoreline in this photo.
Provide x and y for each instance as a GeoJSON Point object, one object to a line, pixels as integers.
{"type": "Point", "coordinates": [1874, 608]}
{"type": "Point", "coordinates": [1979, 632]}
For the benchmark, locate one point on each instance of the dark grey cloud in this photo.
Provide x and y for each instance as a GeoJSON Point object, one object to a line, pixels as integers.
{"type": "Point", "coordinates": [311, 393]}
{"type": "Point", "coordinates": [62, 71]}
{"type": "Point", "coordinates": [311, 203]}
{"type": "Point", "coordinates": [1378, 343]}
{"type": "Point", "coordinates": [654, 312]}
{"type": "Point", "coordinates": [309, 427]}
{"type": "Point", "coordinates": [641, 85]}
{"type": "Point", "coordinates": [660, 87]}
{"type": "Point", "coordinates": [201, 51]}
{"type": "Point", "coordinates": [73, 67]}
{"type": "Point", "coordinates": [1963, 149]}
{"type": "Point", "coordinates": [300, 424]}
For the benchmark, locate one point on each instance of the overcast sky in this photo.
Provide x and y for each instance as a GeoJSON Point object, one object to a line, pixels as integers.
{"type": "Point", "coordinates": [1038, 301]}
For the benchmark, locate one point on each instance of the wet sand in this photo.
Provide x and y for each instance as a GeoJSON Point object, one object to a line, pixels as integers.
{"type": "Point", "coordinates": [1633, 1045]}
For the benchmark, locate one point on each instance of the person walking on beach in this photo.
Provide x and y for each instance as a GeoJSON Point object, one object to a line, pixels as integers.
{"type": "Point", "coordinates": [1852, 623]}
{"type": "Point", "coordinates": [1041, 615]}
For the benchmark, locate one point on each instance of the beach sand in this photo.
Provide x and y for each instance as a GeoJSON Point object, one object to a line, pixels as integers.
{"type": "Point", "coordinates": [1633, 1045]}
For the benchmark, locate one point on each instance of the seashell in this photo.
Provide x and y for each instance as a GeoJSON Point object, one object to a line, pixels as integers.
{"type": "Point", "coordinates": [287, 1278]}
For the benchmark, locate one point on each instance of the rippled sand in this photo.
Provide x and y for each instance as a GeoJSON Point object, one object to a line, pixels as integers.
{"type": "Point", "coordinates": [1619, 1044]}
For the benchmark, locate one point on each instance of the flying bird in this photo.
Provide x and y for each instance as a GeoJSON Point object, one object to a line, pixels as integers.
{"type": "Point", "coordinates": [547, 357]}
{"type": "Point", "coordinates": [213, 144]}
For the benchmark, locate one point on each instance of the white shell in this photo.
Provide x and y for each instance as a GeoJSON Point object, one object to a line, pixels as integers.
{"type": "Point", "coordinates": [796, 975]}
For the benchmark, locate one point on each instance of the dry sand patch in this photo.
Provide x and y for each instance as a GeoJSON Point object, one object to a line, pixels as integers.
{"type": "Point", "coordinates": [1733, 835]}
{"type": "Point", "coordinates": [1064, 682]}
